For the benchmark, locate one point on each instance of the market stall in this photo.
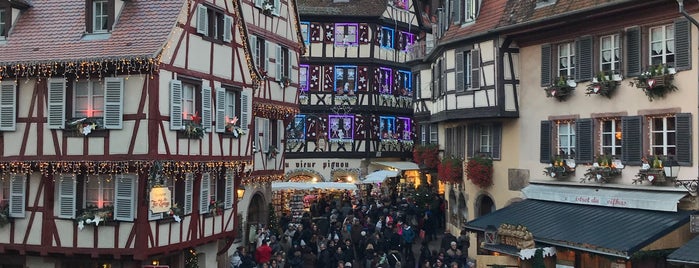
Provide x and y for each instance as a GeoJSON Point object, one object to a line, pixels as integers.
{"type": "Point", "coordinates": [295, 198]}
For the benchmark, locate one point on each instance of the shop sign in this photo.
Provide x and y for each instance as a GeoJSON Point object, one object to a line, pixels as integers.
{"type": "Point", "coordinates": [515, 235]}
{"type": "Point", "coordinates": [160, 199]}
{"type": "Point", "coordinates": [694, 224]}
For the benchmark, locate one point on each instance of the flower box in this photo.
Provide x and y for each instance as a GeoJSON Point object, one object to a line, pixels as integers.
{"type": "Point", "coordinates": [479, 170]}
{"type": "Point", "coordinates": [85, 126]}
{"type": "Point", "coordinates": [560, 168]}
{"type": "Point", "coordinates": [601, 85]}
{"type": "Point", "coordinates": [561, 89]}
{"type": "Point", "coordinates": [656, 82]}
{"type": "Point", "coordinates": [96, 216]}
{"type": "Point", "coordinates": [426, 156]}
{"type": "Point", "coordinates": [652, 175]}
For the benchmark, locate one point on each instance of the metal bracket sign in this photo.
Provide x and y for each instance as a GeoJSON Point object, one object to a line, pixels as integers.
{"type": "Point", "coordinates": [694, 224]}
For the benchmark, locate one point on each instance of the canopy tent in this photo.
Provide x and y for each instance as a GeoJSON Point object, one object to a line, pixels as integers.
{"type": "Point", "coordinates": [379, 176]}
{"type": "Point", "coordinates": [399, 165]}
{"type": "Point", "coordinates": [277, 186]}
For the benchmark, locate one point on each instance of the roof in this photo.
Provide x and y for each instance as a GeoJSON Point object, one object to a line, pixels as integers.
{"type": "Point", "coordinates": [489, 17]}
{"type": "Point", "coordinates": [526, 10]}
{"type": "Point", "coordinates": [605, 230]}
{"type": "Point", "coordinates": [689, 253]}
{"type": "Point", "coordinates": [360, 8]}
{"type": "Point", "coordinates": [52, 30]}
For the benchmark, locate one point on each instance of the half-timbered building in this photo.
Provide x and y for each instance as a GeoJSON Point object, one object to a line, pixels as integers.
{"type": "Point", "coordinates": [356, 89]}
{"type": "Point", "coordinates": [127, 127]}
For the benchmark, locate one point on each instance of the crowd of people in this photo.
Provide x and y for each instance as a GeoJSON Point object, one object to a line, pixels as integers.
{"type": "Point", "coordinates": [388, 233]}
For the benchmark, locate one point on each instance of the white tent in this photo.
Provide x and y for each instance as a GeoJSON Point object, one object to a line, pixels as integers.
{"type": "Point", "coordinates": [379, 176]}
{"type": "Point", "coordinates": [277, 186]}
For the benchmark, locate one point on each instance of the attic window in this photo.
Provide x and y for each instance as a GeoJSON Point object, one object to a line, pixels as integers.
{"type": "Point", "coordinates": [99, 16]}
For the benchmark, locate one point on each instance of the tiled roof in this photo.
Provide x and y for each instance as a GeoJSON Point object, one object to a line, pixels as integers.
{"type": "Point", "coordinates": [689, 253]}
{"type": "Point", "coordinates": [488, 18]}
{"type": "Point", "coordinates": [520, 11]}
{"type": "Point", "coordinates": [360, 8]}
{"type": "Point", "coordinates": [617, 231]}
{"type": "Point", "coordinates": [52, 30]}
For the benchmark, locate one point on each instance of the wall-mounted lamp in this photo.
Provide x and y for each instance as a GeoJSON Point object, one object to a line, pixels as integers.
{"type": "Point", "coordinates": [240, 191]}
{"type": "Point", "coordinates": [671, 168]}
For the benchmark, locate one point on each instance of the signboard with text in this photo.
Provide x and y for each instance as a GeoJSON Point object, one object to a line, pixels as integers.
{"type": "Point", "coordinates": [160, 199]}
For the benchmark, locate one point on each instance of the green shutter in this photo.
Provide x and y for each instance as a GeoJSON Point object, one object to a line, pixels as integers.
{"type": "Point", "coordinates": [545, 65]}
{"type": "Point", "coordinates": [475, 69]}
{"type": "Point", "coordinates": [545, 142]}
{"type": "Point", "coordinates": [683, 40]}
{"type": "Point", "coordinates": [684, 138]}
{"type": "Point", "coordinates": [584, 136]}
{"type": "Point", "coordinates": [633, 51]}
{"type": "Point", "coordinates": [631, 140]}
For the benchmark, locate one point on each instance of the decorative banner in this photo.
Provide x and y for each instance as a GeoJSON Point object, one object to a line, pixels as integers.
{"type": "Point", "coordinates": [160, 199]}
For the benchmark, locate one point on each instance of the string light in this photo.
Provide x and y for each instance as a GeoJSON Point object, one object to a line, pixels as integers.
{"type": "Point", "coordinates": [82, 69]}
{"type": "Point", "coordinates": [274, 111]}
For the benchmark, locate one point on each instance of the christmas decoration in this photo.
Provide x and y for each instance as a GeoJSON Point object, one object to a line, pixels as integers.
{"type": "Point", "coordinates": [95, 215]}
{"type": "Point", "coordinates": [656, 81]}
{"type": "Point", "coordinates": [561, 89]}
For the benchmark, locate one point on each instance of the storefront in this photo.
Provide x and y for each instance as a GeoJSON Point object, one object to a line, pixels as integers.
{"type": "Point", "coordinates": [589, 226]}
{"type": "Point", "coordinates": [295, 198]}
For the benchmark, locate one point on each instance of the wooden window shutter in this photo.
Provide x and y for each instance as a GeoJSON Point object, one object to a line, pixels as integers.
{"type": "Point", "coordinates": [584, 57]}
{"type": "Point", "coordinates": [220, 109]}
{"type": "Point", "coordinates": [204, 194]}
{"type": "Point", "coordinates": [277, 7]}
{"type": "Point", "coordinates": [253, 49]}
{"type": "Point", "coordinates": [584, 136]}
{"type": "Point", "coordinates": [471, 140]}
{"type": "Point", "coordinates": [56, 103]}
{"type": "Point", "coordinates": [202, 20]}
{"type": "Point", "coordinates": [265, 55]}
{"type": "Point", "coordinates": [460, 71]}
{"type": "Point", "coordinates": [111, 12]}
{"type": "Point", "coordinates": [683, 39]}
{"type": "Point", "coordinates": [546, 65]}
{"type": "Point", "coordinates": [475, 69]}
{"type": "Point", "coordinates": [633, 52]}
{"type": "Point", "coordinates": [632, 139]}
{"type": "Point", "coordinates": [206, 116]}
{"type": "Point", "coordinates": [18, 186]}
{"type": "Point", "coordinates": [497, 140]}
{"type": "Point", "coordinates": [435, 80]}
{"type": "Point", "coordinates": [228, 195]}
{"type": "Point", "coordinates": [245, 109]}
{"type": "Point", "coordinates": [265, 131]}
{"type": "Point", "coordinates": [8, 106]}
{"type": "Point", "coordinates": [456, 11]}
{"type": "Point", "coordinates": [188, 193]}
{"type": "Point", "coordinates": [113, 102]}
{"type": "Point", "coordinates": [66, 196]}
{"type": "Point", "coordinates": [227, 28]}
{"type": "Point", "coordinates": [125, 198]}
{"type": "Point", "coordinates": [684, 138]}
{"type": "Point", "coordinates": [176, 105]}
{"type": "Point", "coordinates": [278, 62]}
{"type": "Point", "coordinates": [545, 142]}
{"type": "Point", "coordinates": [280, 135]}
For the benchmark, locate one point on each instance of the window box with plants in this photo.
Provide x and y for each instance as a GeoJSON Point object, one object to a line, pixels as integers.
{"type": "Point", "coordinates": [602, 85]}
{"type": "Point", "coordinates": [603, 169]}
{"type": "Point", "coordinates": [192, 129]}
{"type": "Point", "coordinates": [426, 155]}
{"type": "Point", "coordinates": [479, 170]}
{"type": "Point", "coordinates": [656, 82]}
{"type": "Point", "coordinates": [95, 215]}
{"type": "Point", "coordinates": [651, 171]}
{"type": "Point", "coordinates": [561, 89]}
{"type": "Point", "coordinates": [233, 128]}
{"type": "Point", "coordinates": [560, 168]}
{"type": "Point", "coordinates": [85, 126]}
{"type": "Point", "coordinates": [215, 207]}
{"type": "Point", "coordinates": [450, 170]}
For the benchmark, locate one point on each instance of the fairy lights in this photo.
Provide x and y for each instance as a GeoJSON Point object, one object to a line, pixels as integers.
{"type": "Point", "coordinates": [273, 111]}
{"type": "Point", "coordinates": [242, 28]}
{"type": "Point", "coordinates": [82, 69]}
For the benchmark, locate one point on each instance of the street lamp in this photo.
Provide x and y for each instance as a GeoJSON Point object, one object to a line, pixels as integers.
{"type": "Point", "coordinates": [671, 168]}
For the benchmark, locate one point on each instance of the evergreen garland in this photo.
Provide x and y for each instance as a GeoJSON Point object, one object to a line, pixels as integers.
{"type": "Point", "coordinates": [191, 259]}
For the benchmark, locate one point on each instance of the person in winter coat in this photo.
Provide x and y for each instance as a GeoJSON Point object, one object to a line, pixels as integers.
{"type": "Point", "coordinates": [408, 238]}
{"type": "Point", "coordinates": [324, 258]}
{"type": "Point", "coordinates": [296, 260]}
{"type": "Point", "coordinates": [246, 261]}
{"type": "Point", "coordinates": [235, 258]}
{"type": "Point", "coordinates": [425, 253]}
{"type": "Point", "coordinates": [263, 253]}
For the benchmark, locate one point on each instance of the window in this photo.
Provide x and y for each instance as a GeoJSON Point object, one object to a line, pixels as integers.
{"type": "Point", "coordinates": [386, 37]}
{"type": "Point", "coordinates": [190, 104]}
{"type": "Point", "coordinates": [214, 24]}
{"type": "Point", "coordinates": [88, 99]}
{"type": "Point", "coordinates": [424, 129]}
{"type": "Point", "coordinates": [345, 78]}
{"type": "Point", "coordinates": [610, 54]}
{"type": "Point", "coordinates": [663, 138]}
{"type": "Point", "coordinates": [99, 191]}
{"type": "Point", "coordinates": [484, 138]}
{"type": "Point", "coordinates": [303, 78]}
{"type": "Point", "coordinates": [406, 41]}
{"type": "Point", "coordinates": [404, 128]}
{"type": "Point", "coordinates": [306, 32]}
{"type": "Point", "coordinates": [662, 45]}
{"type": "Point", "coordinates": [282, 63]}
{"type": "Point", "coordinates": [405, 82]}
{"type": "Point", "coordinates": [270, 134]}
{"type": "Point", "coordinates": [346, 34]}
{"type": "Point", "coordinates": [402, 4]}
{"type": "Point", "coordinates": [434, 131]}
{"type": "Point", "coordinates": [297, 129]}
{"type": "Point", "coordinates": [610, 132]}
{"type": "Point", "coordinates": [189, 109]}
{"type": "Point", "coordinates": [3, 23]}
{"type": "Point", "coordinates": [456, 141]}
{"type": "Point", "coordinates": [566, 60]}
{"type": "Point", "coordinates": [566, 139]}
{"type": "Point", "coordinates": [387, 127]}
{"type": "Point", "coordinates": [259, 52]}
{"type": "Point", "coordinates": [12, 195]}
{"type": "Point", "coordinates": [385, 80]}
{"type": "Point", "coordinates": [341, 127]}
{"type": "Point", "coordinates": [232, 106]}
{"type": "Point", "coordinates": [99, 15]}
{"type": "Point", "coordinates": [470, 7]}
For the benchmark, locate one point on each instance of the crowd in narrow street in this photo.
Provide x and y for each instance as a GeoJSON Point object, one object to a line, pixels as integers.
{"type": "Point", "coordinates": [381, 232]}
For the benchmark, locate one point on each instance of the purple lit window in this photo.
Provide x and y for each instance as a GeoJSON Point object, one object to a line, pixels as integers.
{"type": "Point", "coordinates": [404, 128]}
{"type": "Point", "coordinates": [387, 126]}
{"type": "Point", "coordinates": [385, 80]}
{"type": "Point", "coordinates": [345, 79]}
{"type": "Point", "coordinates": [406, 41]}
{"type": "Point", "coordinates": [341, 127]}
{"type": "Point", "coordinates": [297, 129]}
{"type": "Point", "coordinates": [403, 4]}
{"type": "Point", "coordinates": [346, 34]}
{"type": "Point", "coordinates": [303, 78]}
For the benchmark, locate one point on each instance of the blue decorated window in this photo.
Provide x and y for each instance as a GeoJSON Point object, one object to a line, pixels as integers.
{"type": "Point", "coordinates": [405, 83]}
{"type": "Point", "coordinates": [303, 78]}
{"type": "Point", "coordinates": [387, 127]}
{"type": "Point", "coordinates": [406, 41]}
{"type": "Point", "coordinates": [341, 127]}
{"type": "Point", "coordinates": [297, 129]}
{"type": "Point", "coordinates": [386, 37]}
{"type": "Point", "coordinates": [346, 34]}
{"type": "Point", "coordinates": [385, 80]}
{"type": "Point", "coordinates": [305, 31]}
{"type": "Point", "coordinates": [404, 128]}
{"type": "Point", "coordinates": [345, 78]}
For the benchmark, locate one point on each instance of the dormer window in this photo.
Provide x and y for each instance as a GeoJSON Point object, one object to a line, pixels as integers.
{"type": "Point", "coordinates": [99, 16]}
{"type": "Point", "coordinates": [213, 24]}
{"type": "Point", "coordinates": [5, 21]}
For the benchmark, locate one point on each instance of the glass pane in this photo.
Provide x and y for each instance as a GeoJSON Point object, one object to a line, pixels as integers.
{"type": "Point", "coordinates": [656, 34]}
{"type": "Point", "coordinates": [657, 151]}
{"type": "Point", "coordinates": [657, 124]}
{"type": "Point", "coordinates": [672, 151]}
{"type": "Point", "coordinates": [671, 138]}
{"type": "Point", "coordinates": [670, 123]}
{"type": "Point", "coordinates": [657, 138]}
{"type": "Point", "coordinates": [81, 89]}
{"type": "Point", "coordinates": [607, 126]}
{"type": "Point", "coordinates": [97, 89]}
{"type": "Point", "coordinates": [606, 140]}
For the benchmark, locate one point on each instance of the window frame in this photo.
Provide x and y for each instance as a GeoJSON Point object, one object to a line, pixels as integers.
{"type": "Point", "coordinates": [565, 151]}
{"type": "Point", "coordinates": [342, 31]}
{"type": "Point", "coordinates": [345, 77]}
{"type": "Point", "coordinates": [5, 21]}
{"type": "Point", "coordinates": [387, 40]}
{"type": "Point", "coordinates": [304, 70]}
{"type": "Point", "coordinates": [405, 81]}
{"type": "Point", "coordinates": [664, 43]}
{"type": "Point", "coordinates": [91, 86]}
{"type": "Point", "coordinates": [387, 127]}
{"type": "Point", "coordinates": [91, 13]}
{"type": "Point", "coordinates": [297, 129]}
{"type": "Point", "coordinates": [570, 58]}
{"type": "Point", "coordinates": [103, 192]}
{"type": "Point", "coordinates": [343, 119]}
{"type": "Point", "coordinates": [616, 145]}
{"type": "Point", "coordinates": [615, 65]}
{"type": "Point", "coordinates": [306, 31]}
{"type": "Point", "coordinates": [385, 80]}
{"type": "Point", "coordinates": [665, 145]}
{"type": "Point", "coordinates": [470, 11]}
{"type": "Point", "coordinates": [434, 133]}
{"type": "Point", "coordinates": [232, 107]}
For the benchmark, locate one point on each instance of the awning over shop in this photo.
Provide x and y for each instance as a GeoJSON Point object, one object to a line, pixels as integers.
{"type": "Point", "coordinates": [399, 165]}
{"type": "Point", "coordinates": [277, 186]}
{"type": "Point", "coordinates": [379, 176]}
{"type": "Point", "coordinates": [687, 254]}
{"type": "Point", "coordinates": [609, 197]}
{"type": "Point", "coordinates": [604, 230]}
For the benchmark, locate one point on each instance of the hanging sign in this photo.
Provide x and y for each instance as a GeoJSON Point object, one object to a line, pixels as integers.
{"type": "Point", "coordinates": [160, 199]}
{"type": "Point", "coordinates": [694, 224]}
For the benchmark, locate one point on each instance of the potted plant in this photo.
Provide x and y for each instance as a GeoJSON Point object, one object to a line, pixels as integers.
{"type": "Point", "coordinates": [651, 171]}
{"type": "Point", "coordinates": [426, 155]}
{"type": "Point", "coordinates": [85, 125]}
{"type": "Point", "coordinates": [602, 86]}
{"type": "Point", "coordinates": [656, 82]}
{"type": "Point", "coordinates": [560, 168]}
{"type": "Point", "coordinates": [450, 170]}
{"type": "Point", "coordinates": [479, 170]}
{"type": "Point", "coordinates": [95, 215]}
{"type": "Point", "coordinates": [561, 89]}
{"type": "Point", "coordinates": [232, 127]}
{"type": "Point", "coordinates": [603, 169]}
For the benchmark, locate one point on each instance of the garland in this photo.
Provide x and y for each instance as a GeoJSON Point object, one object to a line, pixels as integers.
{"type": "Point", "coordinates": [82, 69]}
{"type": "Point", "coordinates": [656, 81]}
{"type": "Point", "coordinates": [274, 111]}
{"type": "Point", "coordinates": [561, 89]}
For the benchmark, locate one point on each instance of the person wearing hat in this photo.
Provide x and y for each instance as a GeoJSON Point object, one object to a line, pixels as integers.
{"type": "Point", "coordinates": [453, 253]}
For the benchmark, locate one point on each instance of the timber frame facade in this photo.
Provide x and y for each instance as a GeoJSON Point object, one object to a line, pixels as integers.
{"type": "Point", "coordinates": [129, 97]}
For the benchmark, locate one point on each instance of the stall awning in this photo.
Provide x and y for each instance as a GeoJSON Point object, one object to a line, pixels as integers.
{"type": "Point", "coordinates": [379, 176]}
{"type": "Point", "coordinates": [610, 197]}
{"type": "Point", "coordinates": [687, 254]}
{"type": "Point", "coordinates": [276, 186]}
{"type": "Point", "coordinates": [611, 231]}
{"type": "Point", "coordinates": [399, 165]}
